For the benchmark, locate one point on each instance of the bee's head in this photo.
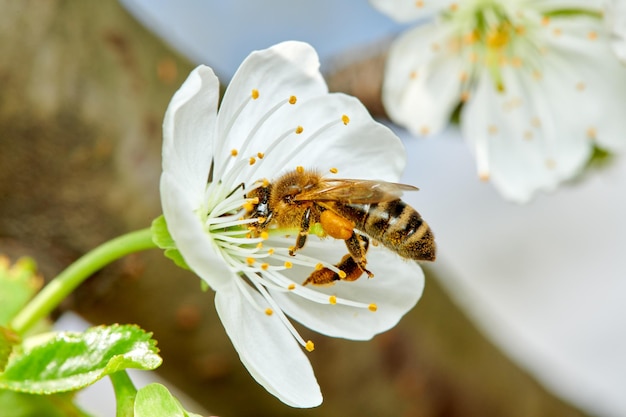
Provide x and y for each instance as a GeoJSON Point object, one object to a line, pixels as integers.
{"type": "Point", "coordinates": [261, 206]}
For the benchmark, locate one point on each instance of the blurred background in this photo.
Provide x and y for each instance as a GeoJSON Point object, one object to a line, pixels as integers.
{"type": "Point", "coordinates": [523, 312]}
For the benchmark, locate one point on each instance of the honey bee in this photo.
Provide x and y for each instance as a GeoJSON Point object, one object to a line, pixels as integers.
{"type": "Point", "coordinates": [348, 209]}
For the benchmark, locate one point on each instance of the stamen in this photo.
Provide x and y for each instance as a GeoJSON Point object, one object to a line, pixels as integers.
{"type": "Point", "coordinates": [299, 130]}
{"type": "Point", "coordinates": [292, 100]}
{"type": "Point", "coordinates": [269, 311]}
{"type": "Point", "coordinates": [233, 152]}
{"type": "Point", "coordinates": [333, 170]}
{"type": "Point", "coordinates": [332, 300]}
{"type": "Point", "coordinates": [309, 346]}
{"type": "Point", "coordinates": [345, 119]}
{"type": "Point", "coordinates": [254, 94]}
{"type": "Point", "coordinates": [372, 307]}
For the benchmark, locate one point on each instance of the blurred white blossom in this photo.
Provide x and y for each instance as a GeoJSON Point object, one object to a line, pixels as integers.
{"type": "Point", "coordinates": [615, 16]}
{"type": "Point", "coordinates": [538, 84]}
{"type": "Point", "coordinates": [276, 114]}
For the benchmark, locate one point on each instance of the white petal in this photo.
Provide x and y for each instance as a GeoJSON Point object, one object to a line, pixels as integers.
{"type": "Point", "coordinates": [409, 10]}
{"type": "Point", "coordinates": [196, 246]}
{"type": "Point", "coordinates": [346, 147]}
{"type": "Point", "coordinates": [395, 289]}
{"type": "Point", "coordinates": [277, 73]}
{"type": "Point", "coordinates": [422, 84]}
{"type": "Point", "coordinates": [596, 77]}
{"type": "Point", "coordinates": [188, 132]}
{"type": "Point", "coordinates": [267, 349]}
{"type": "Point", "coordinates": [615, 17]}
{"type": "Point", "coordinates": [552, 5]}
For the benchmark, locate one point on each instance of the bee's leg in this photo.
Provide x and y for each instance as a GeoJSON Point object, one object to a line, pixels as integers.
{"type": "Point", "coordinates": [357, 248]}
{"type": "Point", "coordinates": [304, 231]}
{"type": "Point", "coordinates": [352, 264]}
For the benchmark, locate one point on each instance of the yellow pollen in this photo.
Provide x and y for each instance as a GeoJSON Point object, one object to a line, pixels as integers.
{"type": "Point", "coordinates": [591, 132]}
{"type": "Point", "coordinates": [288, 265]}
{"type": "Point", "coordinates": [299, 130]}
{"type": "Point", "coordinates": [248, 235]}
{"type": "Point", "coordinates": [260, 155]}
{"type": "Point", "coordinates": [292, 100]}
{"type": "Point", "coordinates": [299, 169]}
{"type": "Point", "coordinates": [269, 311]}
{"type": "Point", "coordinates": [309, 346]}
{"type": "Point", "coordinates": [341, 274]}
{"type": "Point", "coordinates": [345, 119]}
{"type": "Point", "coordinates": [248, 206]}
{"type": "Point", "coordinates": [254, 94]}
{"type": "Point", "coordinates": [254, 200]}
{"type": "Point", "coordinates": [319, 267]}
{"type": "Point", "coordinates": [261, 219]}
{"type": "Point", "coordinates": [333, 170]}
{"type": "Point", "coordinates": [372, 307]}
{"type": "Point", "coordinates": [234, 152]}
{"type": "Point", "coordinates": [250, 261]}
{"type": "Point", "coordinates": [498, 37]}
{"type": "Point", "coordinates": [265, 182]}
{"type": "Point", "coordinates": [332, 299]}
{"type": "Point", "coordinates": [291, 287]}
{"type": "Point", "coordinates": [265, 236]}
{"type": "Point", "coordinates": [265, 266]}
{"type": "Point", "coordinates": [252, 160]}
{"type": "Point", "coordinates": [270, 251]}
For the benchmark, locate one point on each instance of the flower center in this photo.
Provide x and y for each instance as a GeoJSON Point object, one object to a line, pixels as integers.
{"type": "Point", "coordinates": [494, 35]}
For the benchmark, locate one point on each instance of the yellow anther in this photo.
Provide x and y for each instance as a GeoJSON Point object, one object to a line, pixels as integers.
{"type": "Point", "coordinates": [254, 94]}
{"type": "Point", "coordinates": [252, 160]}
{"type": "Point", "coordinates": [332, 299]}
{"type": "Point", "coordinates": [454, 7]}
{"type": "Point", "coordinates": [265, 235]}
{"type": "Point", "coordinates": [269, 311]}
{"type": "Point", "coordinates": [288, 265]}
{"type": "Point", "coordinates": [592, 133]}
{"type": "Point", "coordinates": [419, 4]}
{"type": "Point", "coordinates": [341, 274]}
{"type": "Point", "coordinates": [413, 75]}
{"type": "Point", "coordinates": [545, 21]}
{"type": "Point", "coordinates": [319, 267]}
{"type": "Point", "coordinates": [333, 170]}
{"type": "Point", "coordinates": [260, 155]}
{"type": "Point", "coordinates": [250, 261]}
{"type": "Point", "coordinates": [261, 219]}
{"type": "Point", "coordinates": [580, 86]}
{"type": "Point", "coordinates": [299, 169]}
{"type": "Point", "coordinates": [483, 176]}
{"type": "Point", "coordinates": [259, 245]}
{"type": "Point", "coordinates": [556, 32]}
{"type": "Point", "coordinates": [234, 152]}
{"type": "Point", "coordinates": [265, 182]}
{"type": "Point", "coordinates": [299, 130]}
{"type": "Point", "coordinates": [291, 287]}
{"type": "Point", "coordinates": [248, 206]}
{"type": "Point", "coordinates": [292, 100]}
{"type": "Point", "coordinates": [265, 266]}
{"type": "Point", "coordinates": [424, 130]}
{"type": "Point", "coordinates": [270, 251]}
{"type": "Point", "coordinates": [309, 346]}
{"type": "Point", "coordinates": [593, 35]}
{"type": "Point", "coordinates": [372, 307]}
{"type": "Point", "coordinates": [465, 96]}
{"type": "Point", "coordinates": [345, 119]}
{"type": "Point", "coordinates": [248, 235]}
{"type": "Point", "coordinates": [492, 129]}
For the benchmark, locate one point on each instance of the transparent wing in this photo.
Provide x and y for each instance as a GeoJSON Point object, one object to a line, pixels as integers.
{"type": "Point", "coordinates": [355, 191]}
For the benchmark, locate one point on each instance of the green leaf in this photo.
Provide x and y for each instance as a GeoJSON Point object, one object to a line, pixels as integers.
{"type": "Point", "coordinates": [65, 361]}
{"type": "Point", "coordinates": [17, 404]}
{"type": "Point", "coordinates": [18, 284]}
{"type": "Point", "coordinates": [155, 400]}
{"type": "Point", "coordinates": [162, 238]}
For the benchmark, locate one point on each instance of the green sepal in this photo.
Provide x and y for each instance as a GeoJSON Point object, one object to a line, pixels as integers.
{"type": "Point", "coordinates": [66, 361]}
{"type": "Point", "coordinates": [154, 400]}
{"type": "Point", "coordinates": [18, 404]}
{"type": "Point", "coordinates": [162, 238]}
{"type": "Point", "coordinates": [18, 284]}
{"type": "Point", "coordinates": [8, 339]}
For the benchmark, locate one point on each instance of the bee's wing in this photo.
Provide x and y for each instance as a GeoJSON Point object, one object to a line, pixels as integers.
{"type": "Point", "coordinates": [356, 191]}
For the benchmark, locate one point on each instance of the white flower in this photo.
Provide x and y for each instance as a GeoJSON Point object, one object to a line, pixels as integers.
{"type": "Point", "coordinates": [276, 115]}
{"type": "Point", "coordinates": [615, 16]}
{"type": "Point", "coordinates": [539, 88]}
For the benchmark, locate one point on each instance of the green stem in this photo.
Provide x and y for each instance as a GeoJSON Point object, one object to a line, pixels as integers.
{"type": "Point", "coordinates": [61, 286]}
{"type": "Point", "coordinates": [125, 393]}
